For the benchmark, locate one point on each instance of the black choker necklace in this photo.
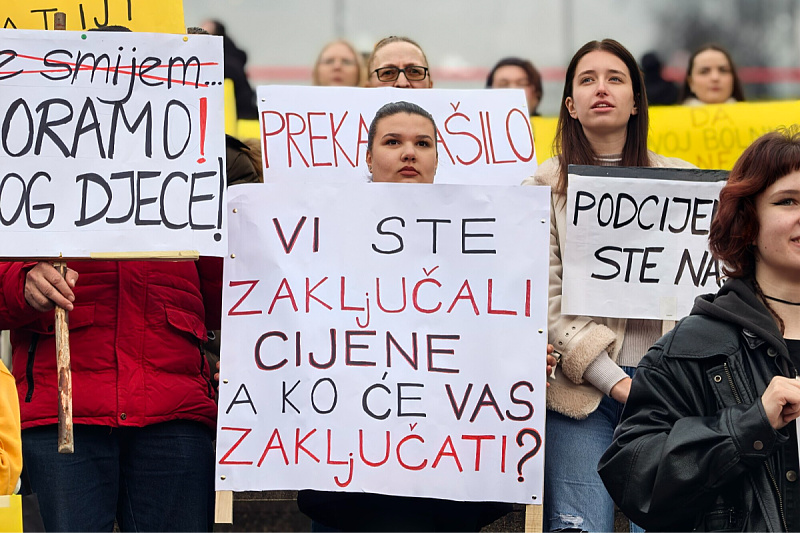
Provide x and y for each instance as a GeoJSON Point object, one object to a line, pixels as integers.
{"type": "Point", "coordinates": [787, 302]}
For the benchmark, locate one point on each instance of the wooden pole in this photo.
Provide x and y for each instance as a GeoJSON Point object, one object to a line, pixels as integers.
{"type": "Point", "coordinates": [66, 443]}
{"type": "Point", "coordinates": [60, 21]}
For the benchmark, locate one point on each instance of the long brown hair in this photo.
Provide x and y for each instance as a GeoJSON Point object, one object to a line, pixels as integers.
{"type": "Point", "coordinates": [571, 144]}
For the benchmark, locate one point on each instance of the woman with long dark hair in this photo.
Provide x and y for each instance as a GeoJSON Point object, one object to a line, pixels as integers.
{"type": "Point", "coordinates": [603, 121]}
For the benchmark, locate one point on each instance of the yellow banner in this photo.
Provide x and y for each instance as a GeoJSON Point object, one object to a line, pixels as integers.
{"type": "Point", "coordinates": [158, 16]}
{"type": "Point", "coordinates": [711, 136]}
{"type": "Point", "coordinates": [11, 513]}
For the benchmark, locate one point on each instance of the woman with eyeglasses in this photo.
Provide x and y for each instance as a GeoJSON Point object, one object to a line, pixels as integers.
{"type": "Point", "coordinates": [339, 65]}
{"type": "Point", "coordinates": [398, 62]}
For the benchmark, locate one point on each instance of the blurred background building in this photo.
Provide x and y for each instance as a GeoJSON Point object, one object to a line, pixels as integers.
{"type": "Point", "coordinates": [464, 38]}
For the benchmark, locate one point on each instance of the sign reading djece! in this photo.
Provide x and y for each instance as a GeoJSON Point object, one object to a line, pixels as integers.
{"type": "Point", "coordinates": [110, 142]}
{"type": "Point", "coordinates": [385, 338]}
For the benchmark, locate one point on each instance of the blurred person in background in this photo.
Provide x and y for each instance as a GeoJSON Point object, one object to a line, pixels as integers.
{"type": "Point", "coordinates": [339, 64]}
{"type": "Point", "coordinates": [512, 73]}
{"type": "Point", "coordinates": [659, 91]}
{"type": "Point", "coordinates": [235, 60]}
{"type": "Point", "coordinates": [398, 62]}
{"type": "Point", "coordinates": [604, 122]}
{"type": "Point", "coordinates": [711, 78]}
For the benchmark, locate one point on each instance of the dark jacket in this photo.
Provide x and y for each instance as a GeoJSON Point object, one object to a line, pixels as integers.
{"type": "Point", "coordinates": [695, 449]}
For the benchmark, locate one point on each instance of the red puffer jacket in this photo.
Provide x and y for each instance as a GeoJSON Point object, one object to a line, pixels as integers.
{"type": "Point", "coordinates": [135, 343]}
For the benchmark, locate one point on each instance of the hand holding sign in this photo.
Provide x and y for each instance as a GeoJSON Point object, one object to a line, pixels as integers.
{"type": "Point", "coordinates": [45, 288]}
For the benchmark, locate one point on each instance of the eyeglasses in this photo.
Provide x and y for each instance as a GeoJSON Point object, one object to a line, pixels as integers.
{"type": "Point", "coordinates": [412, 73]}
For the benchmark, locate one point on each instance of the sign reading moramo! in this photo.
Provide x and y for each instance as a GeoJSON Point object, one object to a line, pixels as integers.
{"type": "Point", "coordinates": [636, 241]}
{"type": "Point", "coordinates": [385, 338]}
{"type": "Point", "coordinates": [110, 142]}
{"type": "Point", "coordinates": [320, 133]}
{"type": "Point", "coordinates": [711, 136]}
{"type": "Point", "coordinates": [158, 16]}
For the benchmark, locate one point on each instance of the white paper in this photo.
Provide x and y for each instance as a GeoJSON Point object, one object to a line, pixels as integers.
{"type": "Point", "coordinates": [97, 160]}
{"type": "Point", "coordinates": [639, 248]}
{"type": "Point", "coordinates": [479, 320]}
{"type": "Point", "coordinates": [320, 133]}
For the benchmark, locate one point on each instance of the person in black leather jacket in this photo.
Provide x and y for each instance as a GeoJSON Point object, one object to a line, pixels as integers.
{"type": "Point", "coordinates": [708, 438]}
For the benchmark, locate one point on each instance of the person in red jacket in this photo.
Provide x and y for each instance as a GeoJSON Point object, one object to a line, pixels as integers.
{"type": "Point", "coordinates": [143, 403]}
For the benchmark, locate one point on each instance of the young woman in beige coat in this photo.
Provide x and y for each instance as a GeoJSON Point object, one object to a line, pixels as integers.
{"type": "Point", "coordinates": [604, 121]}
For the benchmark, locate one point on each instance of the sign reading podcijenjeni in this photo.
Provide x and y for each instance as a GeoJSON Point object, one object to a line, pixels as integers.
{"type": "Point", "coordinates": [320, 133]}
{"type": "Point", "coordinates": [637, 247]}
{"type": "Point", "coordinates": [110, 142]}
{"type": "Point", "coordinates": [385, 338]}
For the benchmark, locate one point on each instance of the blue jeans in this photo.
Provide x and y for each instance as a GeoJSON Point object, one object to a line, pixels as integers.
{"type": "Point", "coordinates": [153, 478]}
{"type": "Point", "coordinates": [574, 495]}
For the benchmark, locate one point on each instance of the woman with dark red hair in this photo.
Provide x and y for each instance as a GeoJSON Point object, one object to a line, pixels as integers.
{"type": "Point", "coordinates": [708, 438]}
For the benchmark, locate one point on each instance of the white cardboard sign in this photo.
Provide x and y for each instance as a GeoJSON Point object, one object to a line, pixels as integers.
{"type": "Point", "coordinates": [385, 338]}
{"type": "Point", "coordinates": [320, 133]}
{"type": "Point", "coordinates": [110, 142]}
{"type": "Point", "coordinates": [637, 248]}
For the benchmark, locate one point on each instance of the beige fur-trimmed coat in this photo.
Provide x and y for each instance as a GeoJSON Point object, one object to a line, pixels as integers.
{"type": "Point", "coordinates": [579, 339]}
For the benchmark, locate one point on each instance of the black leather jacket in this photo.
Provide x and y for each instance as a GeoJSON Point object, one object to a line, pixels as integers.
{"type": "Point", "coordinates": [694, 450]}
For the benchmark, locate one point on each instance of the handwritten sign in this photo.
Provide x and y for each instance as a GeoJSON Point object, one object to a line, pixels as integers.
{"type": "Point", "coordinates": [110, 142]}
{"type": "Point", "coordinates": [380, 332]}
{"type": "Point", "coordinates": [159, 16]}
{"type": "Point", "coordinates": [320, 133]}
{"type": "Point", "coordinates": [711, 137]}
{"type": "Point", "coordinates": [637, 247]}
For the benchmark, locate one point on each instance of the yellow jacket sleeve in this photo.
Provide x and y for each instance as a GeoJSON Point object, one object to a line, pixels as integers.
{"type": "Point", "coordinates": [10, 437]}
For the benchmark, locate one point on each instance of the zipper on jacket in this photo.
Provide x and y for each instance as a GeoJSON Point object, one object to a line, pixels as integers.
{"type": "Point", "coordinates": [766, 462]}
{"type": "Point", "coordinates": [730, 382]}
{"type": "Point", "coordinates": [29, 366]}
{"type": "Point", "coordinates": [203, 362]}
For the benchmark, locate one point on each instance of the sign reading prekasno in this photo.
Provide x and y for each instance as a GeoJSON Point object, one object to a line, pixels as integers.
{"type": "Point", "coordinates": [385, 338]}
{"type": "Point", "coordinates": [637, 241]}
{"type": "Point", "coordinates": [111, 142]}
{"type": "Point", "coordinates": [320, 133]}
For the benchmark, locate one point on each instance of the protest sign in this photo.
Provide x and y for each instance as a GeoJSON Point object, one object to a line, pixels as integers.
{"type": "Point", "coordinates": [385, 338]}
{"type": "Point", "coordinates": [158, 16]}
{"type": "Point", "coordinates": [714, 136]}
{"type": "Point", "coordinates": [636, 243]}
{"type": "Point", "coordinates": [320, 133]}
{"type": "Point", "coordinates": [111, 142]}
{"type": "Point", "coordinates": [711, 136]}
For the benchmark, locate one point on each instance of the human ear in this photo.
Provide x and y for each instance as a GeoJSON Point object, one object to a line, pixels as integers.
{"type": "Point", "coordinates": [369, 160]}
{"type": "Point", "coordinates": [569, 103]}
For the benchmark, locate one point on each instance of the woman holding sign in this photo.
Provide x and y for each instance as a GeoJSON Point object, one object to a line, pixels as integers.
{"type": "Point", "coordinates": [604, 121]}
{"type": "Point", "coordinates": [708, 440]}
{"type": "Point", "coordinates": [401, 148]}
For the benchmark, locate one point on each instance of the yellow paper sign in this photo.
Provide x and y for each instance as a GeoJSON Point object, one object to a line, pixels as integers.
{"type": "Point", "coordinates": [11, 513]}
{"type": "Point", "coordinates": [158, 16]}
{"type": "Point", "coordinates": [711, 137]}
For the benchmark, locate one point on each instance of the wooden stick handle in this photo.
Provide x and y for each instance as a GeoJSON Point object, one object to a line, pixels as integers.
{"type": "Point", "coordinates": [60, 21]}
{"type": "Point", "coordinates": [66, 443]}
